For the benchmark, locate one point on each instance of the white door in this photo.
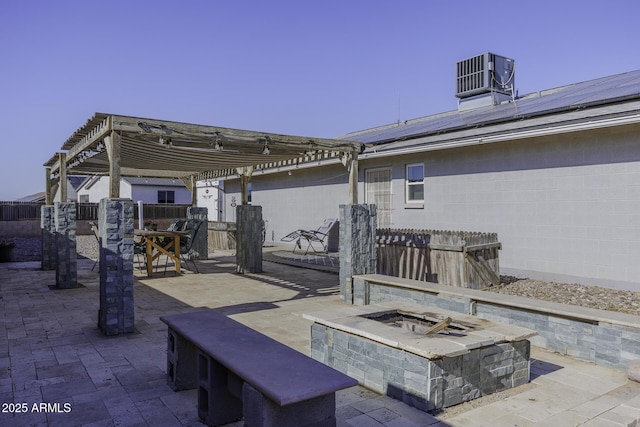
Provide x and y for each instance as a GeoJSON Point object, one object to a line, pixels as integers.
{"type": "Point", "coordinates": [378, 192]}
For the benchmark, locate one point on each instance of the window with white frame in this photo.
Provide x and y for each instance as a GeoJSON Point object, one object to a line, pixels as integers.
{"type": "Point", "coordinates": [415, 183]}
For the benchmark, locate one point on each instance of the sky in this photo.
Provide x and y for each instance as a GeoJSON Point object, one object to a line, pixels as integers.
{"type": "Point", "coordinates": [309, 68]}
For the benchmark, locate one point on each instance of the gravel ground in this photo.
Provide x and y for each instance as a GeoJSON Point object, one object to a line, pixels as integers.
{"type": "Point", "coordinates": [571, 294]}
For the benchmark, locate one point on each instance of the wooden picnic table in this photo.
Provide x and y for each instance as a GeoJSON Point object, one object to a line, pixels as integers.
{"type": "Point", "coordinates": [156, 244]}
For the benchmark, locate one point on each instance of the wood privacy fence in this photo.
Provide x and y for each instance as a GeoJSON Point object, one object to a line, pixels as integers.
{"type": "Point", "coordinates": [455, 258]}
{"type": "Point", "coordinates": [222, 235]}
{"type": "Point", "coordinates": [19, 211]}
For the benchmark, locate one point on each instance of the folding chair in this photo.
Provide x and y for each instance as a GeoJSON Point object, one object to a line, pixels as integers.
{"type": "Point", "coordinates": [311, 236]}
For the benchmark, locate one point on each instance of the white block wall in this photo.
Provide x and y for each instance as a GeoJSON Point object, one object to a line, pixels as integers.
{"type": "Point", "coordinates": [565, 207]}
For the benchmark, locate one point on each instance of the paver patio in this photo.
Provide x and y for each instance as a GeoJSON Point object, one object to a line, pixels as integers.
{"type": "Point", "coordinates": [51, 351]}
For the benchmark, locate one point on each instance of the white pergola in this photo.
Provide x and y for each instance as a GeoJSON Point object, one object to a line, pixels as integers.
{"type": "Point", "coordinates": [117, 146]}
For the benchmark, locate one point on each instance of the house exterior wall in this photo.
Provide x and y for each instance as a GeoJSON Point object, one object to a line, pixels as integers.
{"type": "Point", "coordinates": [100, 190]}
{"type": "Point", "coordinates": [149, 194]}
{"type": "Point", "coordinates": [565, 207]}
{"type": "Point", "coordinates": [301, 200]}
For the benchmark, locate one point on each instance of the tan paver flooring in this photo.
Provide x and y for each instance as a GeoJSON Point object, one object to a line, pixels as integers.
{"type": "Point", "coordinates": [51, 351]}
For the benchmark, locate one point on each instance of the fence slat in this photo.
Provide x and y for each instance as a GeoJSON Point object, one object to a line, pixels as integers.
{"type": "Point", "coordinates": [440, 255]}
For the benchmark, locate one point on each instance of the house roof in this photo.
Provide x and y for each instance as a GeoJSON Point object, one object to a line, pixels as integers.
{"type": "Point", "coordinates": [573, 102]}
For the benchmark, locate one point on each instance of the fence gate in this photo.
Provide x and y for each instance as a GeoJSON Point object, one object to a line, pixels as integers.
{"type": "Point", "coordinates": [378, 191]}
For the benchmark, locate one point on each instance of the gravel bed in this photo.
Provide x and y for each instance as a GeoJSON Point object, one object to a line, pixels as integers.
{"type": "Point", "coordinates": [571, 294]}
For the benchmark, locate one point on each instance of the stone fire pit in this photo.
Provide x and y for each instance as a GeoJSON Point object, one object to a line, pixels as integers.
{"type": "Point", "coordinates": [385, 348]}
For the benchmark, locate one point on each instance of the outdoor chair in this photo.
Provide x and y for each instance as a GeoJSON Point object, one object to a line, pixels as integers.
{"type": "Point", "coordinates": [140, 251]}
{"type": "Point", "coordinates": [186, 242]}
{"type": "Point", "coordinates": [319, 236]}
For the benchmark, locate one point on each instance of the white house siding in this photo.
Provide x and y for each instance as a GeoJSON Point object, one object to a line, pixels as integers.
{"type": "Point", "coordinates": [302, 200]}
{"type": "Point", "coordinates": [149, 194]}
{"type": "Point", "coordinates": [565, 207]}
{"type": "Point", "coordinates": [100, 189]}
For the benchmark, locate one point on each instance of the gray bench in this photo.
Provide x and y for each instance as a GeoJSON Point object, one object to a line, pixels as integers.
{"type": "Point", "coordinates": [241, 373]}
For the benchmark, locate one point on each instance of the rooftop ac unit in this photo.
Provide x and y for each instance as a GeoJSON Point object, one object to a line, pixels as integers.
{"type": "Point", "coordinates": [483, 74]}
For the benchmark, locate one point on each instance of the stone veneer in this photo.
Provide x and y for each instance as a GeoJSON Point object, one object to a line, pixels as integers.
{"type": "Point", "coordinates": [357, 244]}
{"type": "Point", "coordinates": [427, 372]}
{"type": "Point", "coordinates": [65, 238]}
{"type": "Point", "coordinates": [115, 224]}
{"type": "Point", "coordinates": [602, 337]}
{"type": "Point", "coordinates": [47, 235]}
{"type": "Point", "coordinates": [200, 245]}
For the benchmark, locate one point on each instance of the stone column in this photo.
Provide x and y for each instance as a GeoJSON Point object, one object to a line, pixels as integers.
{"type": "Point", "coordinates": [47, 238]}
{"type": "Point", "coordinates": [65, 238]}
{"type": "Point", "coordinates": [357, 245]}
{"type": "Point", "coordinates": [115, 225]}
{"type": "Point", "coordinates": [200, 246]}
{"type": "Point", "coordinates": [249, 239]}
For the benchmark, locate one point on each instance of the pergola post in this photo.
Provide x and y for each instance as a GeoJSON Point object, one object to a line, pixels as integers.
{"type": "Point", "coordinates": [48, 197]}
{"type": "Point", "coordinates": [200, 245]}
{"type": "Point", "coordinates": [112, 144]}
{"type": "Point", "coordinates": [249, 239]}
{"type": "Point", "coordinates": [62, 159]}
{"type": "Point", "coordinates": [245, 178]}
{"type": "Point", "coordinates": [194, 191]}
{"type": "Point", "coordinates": [353, 178]}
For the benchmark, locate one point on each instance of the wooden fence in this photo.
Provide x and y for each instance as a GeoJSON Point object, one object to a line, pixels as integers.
{"type": "Point", "coordinates": [19, 211]}
{"type": "Point", "coordinates": [16, 211]}
{"type": "Point", "coordinates": [455, 258]}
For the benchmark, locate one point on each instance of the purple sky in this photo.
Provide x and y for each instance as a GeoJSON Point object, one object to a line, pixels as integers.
{"type": "Point", "coordinates": [322, 68]}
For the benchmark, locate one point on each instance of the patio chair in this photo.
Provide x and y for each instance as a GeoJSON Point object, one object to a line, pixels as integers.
{"type": "Point", "coordinates": [186, 242]}
{"type": "Point", "coordinates": [312, 236]}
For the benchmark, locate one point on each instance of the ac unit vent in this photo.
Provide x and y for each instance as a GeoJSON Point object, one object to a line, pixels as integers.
{"type": "Point", "coordinates": [483, 74]}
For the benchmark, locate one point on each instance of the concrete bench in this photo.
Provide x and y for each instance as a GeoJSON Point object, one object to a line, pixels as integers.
{"type": "Point", "coordinates": [241, 373]}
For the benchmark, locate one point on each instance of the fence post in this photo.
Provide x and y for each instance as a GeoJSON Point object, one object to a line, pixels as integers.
{"type": "Point", "coordinates": [357, 245]}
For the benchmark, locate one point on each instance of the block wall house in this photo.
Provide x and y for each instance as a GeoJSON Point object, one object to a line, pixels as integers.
{"type": "Point", "coordinates": [147, 190]}
{"type": "Point", "coordinates": [555, 173]}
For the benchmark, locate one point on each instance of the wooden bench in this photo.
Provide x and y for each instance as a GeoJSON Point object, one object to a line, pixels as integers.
{"type": "Point", "coordinates": [241, 373]}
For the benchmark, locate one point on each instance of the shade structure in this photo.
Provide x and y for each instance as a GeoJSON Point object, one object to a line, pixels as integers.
{"type": "Point", "coordinates": [160, 148]}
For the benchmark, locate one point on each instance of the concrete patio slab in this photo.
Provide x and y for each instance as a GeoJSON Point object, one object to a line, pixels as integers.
{"type": "Point", "coordinates": [52, 352]}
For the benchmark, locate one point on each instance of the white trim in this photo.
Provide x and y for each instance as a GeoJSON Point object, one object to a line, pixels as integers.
{"type": "Point", "coordinates": [407, 184]}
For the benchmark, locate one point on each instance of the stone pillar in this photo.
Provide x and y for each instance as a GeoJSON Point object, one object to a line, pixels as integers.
{"type": "Point", "coordinates": [47, 238]}
{"type": "Point", "coordinates": [115, 225]}
{"type": "Point", "coordinates": [249, 239]}
{"type": "Point", "coordinates": [65, 238]}
{"type": "Point", "coordinates": [200, 246]}
{"type": "Point", "coordinates": [357, 245]}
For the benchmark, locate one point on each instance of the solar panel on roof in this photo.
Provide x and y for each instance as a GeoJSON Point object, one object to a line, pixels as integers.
{"type": "Point", "coordinates": [598, 91]}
